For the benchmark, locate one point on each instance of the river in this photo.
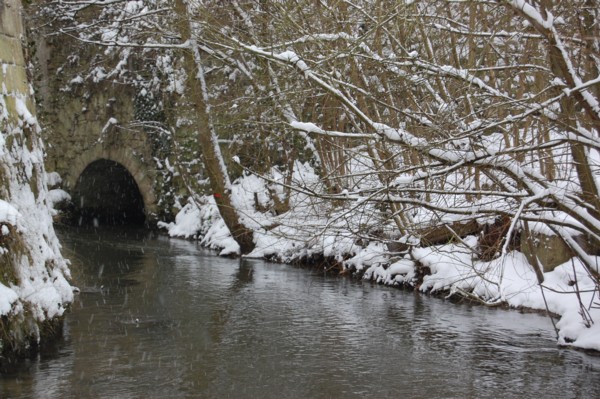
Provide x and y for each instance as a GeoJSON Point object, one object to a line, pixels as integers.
{"type": "Point", "coordinates": [161, 318]}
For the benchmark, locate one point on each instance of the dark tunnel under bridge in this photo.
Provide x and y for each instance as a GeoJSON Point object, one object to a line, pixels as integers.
{"type": "Point", "coordinates": [106, 193]}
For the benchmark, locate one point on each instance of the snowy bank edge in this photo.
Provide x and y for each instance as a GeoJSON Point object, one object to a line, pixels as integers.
{"type": "Point", "coordinates": [508, 280]}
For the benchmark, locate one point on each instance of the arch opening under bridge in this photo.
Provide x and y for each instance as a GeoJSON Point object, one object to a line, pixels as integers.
{"type": "Point", "coordinates": [106, 193]}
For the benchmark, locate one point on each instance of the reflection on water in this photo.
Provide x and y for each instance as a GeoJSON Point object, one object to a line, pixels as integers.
{"type": "Point", "coordinates": [160, 318]}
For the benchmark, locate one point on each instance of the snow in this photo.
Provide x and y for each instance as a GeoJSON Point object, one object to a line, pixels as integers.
{"type": "Point", "coordinates": [533, 13]}
{"type": "Point", "coordinates": [511, 279]}
{"type": "Point", "coordinates": [76, 80]}
{"type": "Point", "coordinates": [586, 337]}
{"type": "Point", "coordinates": [398, 273]}
{"type": "Point", "coordinates": [8, 213]}
{"type": "Point", "coordinates": [8, 298]}
{"type": "Point", "coordinates": [53, 179]}
{"type": "Point", "coordinates": [24, 113]}
{"type": "Point", "coordinates": [55, 197]}
{"type": "Point", "coordinates": [110, 123]}
{"type": "Point", "coordinates": [203, 221]}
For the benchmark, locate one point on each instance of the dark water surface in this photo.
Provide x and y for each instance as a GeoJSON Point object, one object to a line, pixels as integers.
{"type": "Point", "coordinates": [160, 318]}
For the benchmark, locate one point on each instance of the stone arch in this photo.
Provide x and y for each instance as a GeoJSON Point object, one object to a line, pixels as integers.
{"type": "Point", "coordinates": [117, 157]}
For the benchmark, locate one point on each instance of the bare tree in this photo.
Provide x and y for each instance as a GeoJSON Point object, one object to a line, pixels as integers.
{"type": "Point", "coordinates": [466, 110]}
{"type": "Point", "coordinates": [430, 117]}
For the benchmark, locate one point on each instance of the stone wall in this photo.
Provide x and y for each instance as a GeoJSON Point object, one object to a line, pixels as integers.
{"type": "Point", "coordinates": [14, 75]}
{"type": "Point", "coordinates": [87, 119]}
{"type": "Point", "coordinates": [88, 116]}
{"type": "Point", "coordinates": [34, 292]}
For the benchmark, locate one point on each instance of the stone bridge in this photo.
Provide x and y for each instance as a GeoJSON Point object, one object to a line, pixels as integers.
{"type": "Point", "coordinates": [116, 169]}
{"type": "Point", "coordinates": [106, 165]}
{"type": "Point", "coordinates": [111, 182]}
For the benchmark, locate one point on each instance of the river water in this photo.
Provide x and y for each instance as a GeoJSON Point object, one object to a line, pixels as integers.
{"type": "Point", "coordinates": [160, 318]}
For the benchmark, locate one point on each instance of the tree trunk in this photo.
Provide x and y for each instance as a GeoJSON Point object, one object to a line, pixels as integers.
{"type": "Point", "coordinates": [209, 146]}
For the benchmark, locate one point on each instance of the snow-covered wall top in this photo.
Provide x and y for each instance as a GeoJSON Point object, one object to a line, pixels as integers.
{"type": "Point", "coordinates": [33, 273]}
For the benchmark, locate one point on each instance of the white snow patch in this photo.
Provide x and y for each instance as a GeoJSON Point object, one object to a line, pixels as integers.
{"type": "Point", "coordinates": [53, 179]}
{"type": "Point", "coordinates": [8, 213]}
{"type": "Point", "coordinates": [55, 197]}
{"type": "Point", "coordinates": [7, 298]}
{"type": "Point", "coordinates": [24, 112]}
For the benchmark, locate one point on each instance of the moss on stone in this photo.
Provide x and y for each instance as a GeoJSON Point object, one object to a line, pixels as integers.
{"type": "Point", "coordinates": [14, 249]}
{"type": "Point", "coordinates": [20, 336]}
{"type": "Point", "coordinates": [33, 183]}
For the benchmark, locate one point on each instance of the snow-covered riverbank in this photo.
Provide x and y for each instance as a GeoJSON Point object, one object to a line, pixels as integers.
{"type": "Point", "coordinates": [449, 269]}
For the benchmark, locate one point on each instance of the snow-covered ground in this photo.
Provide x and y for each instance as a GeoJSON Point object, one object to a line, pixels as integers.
{"type": "Point", "coordinates": [317, 229]}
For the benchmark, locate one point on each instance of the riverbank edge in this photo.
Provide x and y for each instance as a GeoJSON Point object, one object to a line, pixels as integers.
{"type": "Point", "coordinates": [319, 261]}
{"type": "Point", "coordinates": [23, 337]}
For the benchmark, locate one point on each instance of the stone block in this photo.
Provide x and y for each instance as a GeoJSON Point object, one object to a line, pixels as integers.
{"type": "Point", "coordinates": [10, 51]}
{"type": "Point", "coordinates": [10, 18]}
{"type": "Point", "coordinates": [550, 251]}
{"type": "Point", "coordinates": [14, 79]}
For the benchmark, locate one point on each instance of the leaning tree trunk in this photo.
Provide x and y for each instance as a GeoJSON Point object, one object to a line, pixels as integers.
{"type": "Point", "coordinates": [209, 146]}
